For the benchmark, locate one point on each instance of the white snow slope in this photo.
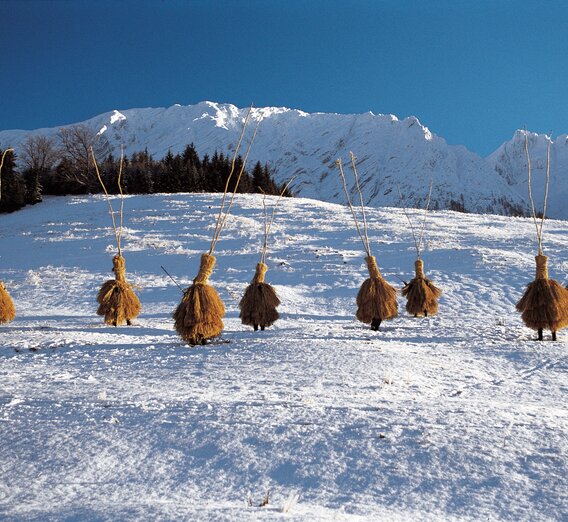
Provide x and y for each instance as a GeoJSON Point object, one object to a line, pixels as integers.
{"type": "Point", "coordinates": [392, 153]}
{"type": "Point", "coordinates": [461, 416]}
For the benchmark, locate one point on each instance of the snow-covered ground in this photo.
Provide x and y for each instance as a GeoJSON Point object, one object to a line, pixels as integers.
{"type": "Point", "coordinates": [456, 417]}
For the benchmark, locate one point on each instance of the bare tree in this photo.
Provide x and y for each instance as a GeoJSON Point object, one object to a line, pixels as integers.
{"type": "Point", "coordinates": [76, 142]}
{"type": "Point", "coordinates": [39, 153]}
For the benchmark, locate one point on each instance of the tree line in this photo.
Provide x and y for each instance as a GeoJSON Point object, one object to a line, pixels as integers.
{"type": "Point", "coordinates": [63, 165]}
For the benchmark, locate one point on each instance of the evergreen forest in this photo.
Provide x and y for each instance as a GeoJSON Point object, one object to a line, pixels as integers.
{"type": "Point", "coordinates": [45, 166]}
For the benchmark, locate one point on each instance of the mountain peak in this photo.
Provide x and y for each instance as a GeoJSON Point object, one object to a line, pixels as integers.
{"type": "Point", "coordinates": [116, 116]}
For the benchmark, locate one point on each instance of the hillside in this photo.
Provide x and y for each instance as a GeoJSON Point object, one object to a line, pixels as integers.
{"type": "Point", "coordinates": [393, 153]}
{"type": "Point", "coordinates": [461, 416]}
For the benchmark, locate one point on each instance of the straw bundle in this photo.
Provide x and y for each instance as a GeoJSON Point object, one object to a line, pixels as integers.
{"type": "Point", "coordinates": [199, 316]}
{"type": "Point", "coordinates": [376, 299]}
{"type": "Point", "coordinates": [544, 304]}
{"type": "Point", "coordinates": [421, 294]}
{"type": "Point", "coordinates": [258, 305]}
{"type": "Point", "coordinates": [117, 301]}
{"type": "Point", "coordinates": [7, 308]}
{"type": "Point", "coordinates": [259, 302]}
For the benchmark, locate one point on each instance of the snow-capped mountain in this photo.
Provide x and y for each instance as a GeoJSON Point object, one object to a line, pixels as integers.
{"type": "Point", "coordinates": [391, 153]}
{"type": "Point", "coordinates": [510, 162]}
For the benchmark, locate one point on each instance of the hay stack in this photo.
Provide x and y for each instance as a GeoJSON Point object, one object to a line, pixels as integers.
{"type": "Point", "coordinates": [117, 301]}
{"type": "Point", "coordinates": [259, 302]}
{"type": "Point", "coordinates": [198, 317]}
{"type": "Point", "coordinates": [421, 294]}
{"type": "Point", "coordinates": [376, 299]}
{"type": "Point", "coordinates": [258, 305]}
{"type": "Point", "coordinates": [7, 308]}
{"type": "Point", "coordinates": [544, 304]}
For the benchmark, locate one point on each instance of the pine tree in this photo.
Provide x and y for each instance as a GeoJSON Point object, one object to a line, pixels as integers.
{"type": "Point", "coordinates": [33, 192]}
{"type": "Point", "coordinates": [12, 188]}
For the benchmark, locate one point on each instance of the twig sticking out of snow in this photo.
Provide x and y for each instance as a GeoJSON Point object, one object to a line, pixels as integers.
{"type": "Point", "coordinates": [265, 500]}
{"type": "Point", "coordinates": [169, 275]}
{"type": "Point", "coordinates": [291, 502]}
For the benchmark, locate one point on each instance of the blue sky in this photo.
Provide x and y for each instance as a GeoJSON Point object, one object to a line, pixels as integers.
{"type": "Point", "coordinates": [472, 71]}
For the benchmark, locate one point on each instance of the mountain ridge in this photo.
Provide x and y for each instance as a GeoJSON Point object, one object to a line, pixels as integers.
{"type": "Point", "coordinates": [393, 154]}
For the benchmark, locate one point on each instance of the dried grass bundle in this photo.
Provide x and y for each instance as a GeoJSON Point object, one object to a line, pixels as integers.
{"type": "Point", "coordinates": [258, 305]}
{"type": "Point", "coordinates": [259, 302]}
{"type": "Point", "coordinates": [7, 308]}
{"type": "Point", "coordinates": [421, 294]}
{"type": "Point", "coordinates": [117, 301]}
{"type": "Point", "coordinates": [376, 299]}
{"type": "Point", "coordinates": [544, 304]}
{"type": "Point", "coordinates": [199, 316]}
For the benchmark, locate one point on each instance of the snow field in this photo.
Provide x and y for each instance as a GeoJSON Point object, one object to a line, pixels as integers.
{"type": "Point", "coordinates": [456, 417]}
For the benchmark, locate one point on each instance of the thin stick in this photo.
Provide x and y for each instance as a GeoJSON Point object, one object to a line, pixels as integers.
{"type": "Point", "coordinates": [121, 194]}
{"type": "Point", "coordinates": [545, 192]}
{"type": "Point", "coordinates": [111, 211]}
{"type": "Point", "coordinates": [269, 227]}
{"type": "Point", "coordinates": [410, 222]}
{"type": "Point", "coordinates": [538, 231]}
{"type": "Point", "coordinates": [175, 282]}
{"type": "Point", "coordinates": [229, 179]}
{"type": "Point", "coordinates": [226, 215]}
{"type": "Point", "coordinates": [365, 246]}
{"type": "Point", "coordinates": [400, 279]}
{"type": "Point", "coordinates": [1, 165]}
{"type": "Point", "coordinates": [529, 186]}
{"type": "Point", "coordinates": [424, 220]}
{"type": "Point", "coordinates": [361, 200]}
{"type": "Point", "coordinates": [265, 226]}
{"type": "Point", "coordinates": [278, 201]}
{"type": "Point", "coordinates": [417, 242]}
